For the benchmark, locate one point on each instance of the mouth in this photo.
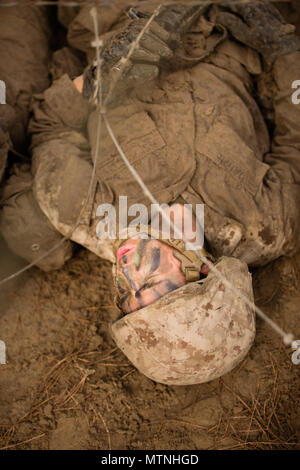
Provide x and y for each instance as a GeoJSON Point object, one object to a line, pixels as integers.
{"type": "Point", "coordinates": [205, 269]}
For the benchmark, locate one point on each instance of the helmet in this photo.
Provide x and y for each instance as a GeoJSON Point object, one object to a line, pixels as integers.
{"type": "Point", "coordinates": [193, 334]}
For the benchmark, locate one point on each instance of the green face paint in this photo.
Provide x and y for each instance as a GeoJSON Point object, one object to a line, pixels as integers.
{"type": "Point", "coordinates": [146, 271]}
{"type": "Point", "coordinates": [139, 253]}
{"type": "Point", "coordinates": [137, 259]}
{"type": "Point", "coordinates": [122, 285]}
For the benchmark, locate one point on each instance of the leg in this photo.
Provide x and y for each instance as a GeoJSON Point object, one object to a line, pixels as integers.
{"type": "Point", "coordinates": [25, 228]}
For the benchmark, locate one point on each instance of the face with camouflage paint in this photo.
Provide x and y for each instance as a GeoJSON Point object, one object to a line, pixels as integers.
{"type": "Point", "coordinates": [146, 270]}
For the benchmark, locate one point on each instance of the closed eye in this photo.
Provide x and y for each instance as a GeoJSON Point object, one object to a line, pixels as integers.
{"type": "Point", "coordinates": [147, 285]}
{"type": "Point", "coordinates": [124, 297]}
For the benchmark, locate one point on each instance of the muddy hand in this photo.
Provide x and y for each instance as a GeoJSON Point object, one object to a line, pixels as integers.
{"type": "Point", "coordinates": [143, 63]}
{"type": "Point", "coordinates": [260, 26]}
{"type": "Point", "coordinates": [155, 49]}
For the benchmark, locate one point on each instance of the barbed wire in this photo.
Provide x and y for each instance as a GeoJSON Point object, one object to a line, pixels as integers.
{"type": "Point", "coordinates": [287, 338]}
{"type": "Point", "coordinates": [72, 4]}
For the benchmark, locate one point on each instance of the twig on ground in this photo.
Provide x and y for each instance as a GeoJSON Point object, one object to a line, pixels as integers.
{"type": "Point", "coordinates": [98, 414]}
{"type": "Point", "coordinates": [22, 442]}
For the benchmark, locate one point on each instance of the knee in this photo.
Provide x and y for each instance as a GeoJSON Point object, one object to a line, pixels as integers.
{"type": "Point", "coordinates": [26, 229]}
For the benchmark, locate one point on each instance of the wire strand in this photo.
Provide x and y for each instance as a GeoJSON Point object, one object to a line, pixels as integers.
{"type": "Point", "coordinates": [104, 3]}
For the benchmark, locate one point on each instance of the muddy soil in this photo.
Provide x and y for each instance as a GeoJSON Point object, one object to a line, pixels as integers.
{"type": "Point", "coordinates": [66, 386]}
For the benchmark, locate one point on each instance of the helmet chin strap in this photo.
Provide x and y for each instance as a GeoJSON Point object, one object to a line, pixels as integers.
{"type": "Point", "coordinates": [190, 268]}
{"type": "Point", "coordinates": [191, 260]}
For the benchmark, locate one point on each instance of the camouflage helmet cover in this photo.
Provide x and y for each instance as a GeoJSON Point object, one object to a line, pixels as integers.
{"type": "Point", "coordinates": [193, 334]}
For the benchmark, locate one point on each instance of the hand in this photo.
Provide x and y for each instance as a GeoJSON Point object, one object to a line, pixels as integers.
{"type": "Point", "coordinates": [140, 68]}
{"type": "Point", "coordinates": [78, 83]}
{"type": "Point", "coordinates": [260, 26]}
{"type": "Point", "coordinates": [155, 49]}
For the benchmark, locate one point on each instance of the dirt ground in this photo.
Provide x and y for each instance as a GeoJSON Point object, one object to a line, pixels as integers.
{"type": "Point", "coordinates": [66, 386]}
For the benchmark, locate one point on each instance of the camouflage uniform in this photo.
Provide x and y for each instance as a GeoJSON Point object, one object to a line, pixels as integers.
{"type": "Point", "coordinates": [24, 54]}
{"type": "Point", "coordinates": [24, 68]}
{"type": "Point", "coordinates": [197, 134]}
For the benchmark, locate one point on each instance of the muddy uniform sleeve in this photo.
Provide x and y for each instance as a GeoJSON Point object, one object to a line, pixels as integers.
{"type": "Point", "coordinates": [61, 160]}
{"type": "Point", "coordinates": [271, 216]}
{"type": "Point", "coordinates": [62, 164]}
{"type": "Point", "coordinates": [26, 230]}
{"type": "Point", "coordinates": [277, 200]}
{"type": "Point", "coordinates": [58, 152]}
{"type": "Point", "coordinates": [59, 110]}
{"type": "Point", "coordinates": [278, 197]}
{"type": "Point", "coordinates": [249, 183]}
{"type": "Point", "coordinates": [24, 57]}
{"type": "Point", "coordinates": [57, 144]}
{"type": "Point", "coordinates": [111, 16]}
{"type": "Point", "coordinates": [284, 160]}
{"type": "Point", "coordinates": [61, 153]}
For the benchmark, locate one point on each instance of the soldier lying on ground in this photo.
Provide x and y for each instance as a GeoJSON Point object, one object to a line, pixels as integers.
{"type": "Point", "coordinates": [196, 135]}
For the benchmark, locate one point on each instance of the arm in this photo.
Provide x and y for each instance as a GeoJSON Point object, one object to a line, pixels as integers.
{"type": "Point", "coordinates": [59, 147]}
{"type": "Point", "coordinates": [156, 38]}
{"type": "Point", "coordinates": [62, 164]}
{"type": "Point", "coordinates": [57, 130]}
{"type": "Point", "coordinates": [277, 197]}
{"type": "Point", "coordinates": [285, 156]}
{"type": "Point", "coordinates": [111, 16]}
{"type": "Point", "coordinates": [59, 110]}
{"type": "Point", "coordinates": [260, 26]}
{"type": "Point", "coordinates": [280, 193]}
